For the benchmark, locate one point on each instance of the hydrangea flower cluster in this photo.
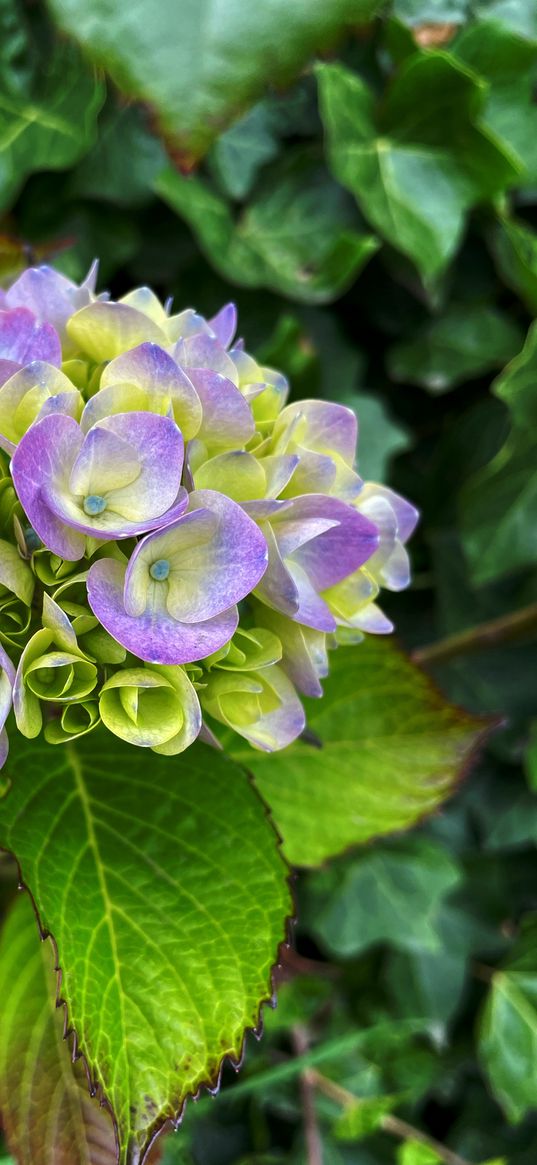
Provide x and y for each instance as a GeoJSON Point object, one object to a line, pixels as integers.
{"type": "Point", "coordinates": [176, 542]}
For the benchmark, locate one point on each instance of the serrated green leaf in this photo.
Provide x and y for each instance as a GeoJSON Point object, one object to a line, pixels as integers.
{"type": "Point", "coordinates": [508, 1028]}
{"type": "Point", "coordinates": [418, 162]}
{"type": "Point", "coordinates": [465, 342]}
{"type": "Point", "coordinates": [45, 1107]}
{"type": "Point", "coordinates": [295, 237]}
{"type": "Point", "coordinates": [200, 65]}
{"type": "Point", "coordinates": [166, 895]}
{"type": "Point", "coordinates": [391, 750]}
{"type": "Point", "coordinates": [364, 902]}
{"type": "Point", "coordinates": [51, 127]}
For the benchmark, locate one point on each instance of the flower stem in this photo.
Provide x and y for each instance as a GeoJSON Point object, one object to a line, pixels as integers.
{"type": "Point", "coordinates": [389, 1123]}
{"type": "Point", "coordinates": [489, 634]}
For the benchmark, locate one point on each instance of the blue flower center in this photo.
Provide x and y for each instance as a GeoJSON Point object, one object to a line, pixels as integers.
{"type": "Point", "coordinates": [94, 504]}
{"type": "Point", "coordinates": [160, 569]}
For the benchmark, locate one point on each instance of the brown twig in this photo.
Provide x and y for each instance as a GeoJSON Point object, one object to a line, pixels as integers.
{"type": "Point", "coordinates": [312, 1136]}
{"type": "Point", "coordinates": [389, 1123]}
{"type": "Point", "coordinates": [294, 964]}
{"type": "Point", "coordinates": [489, 634]}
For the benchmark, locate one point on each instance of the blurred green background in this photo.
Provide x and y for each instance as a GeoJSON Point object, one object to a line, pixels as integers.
{"type": "Point", "coordinates": [374, 216]}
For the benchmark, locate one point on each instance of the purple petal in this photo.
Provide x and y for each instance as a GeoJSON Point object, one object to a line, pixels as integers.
{"type": "Point", "coordinates": [23, 338]}
{"type": "Point", "coordinates": [312, 610]}
{"type": "Point", "coordinates": [153, 636]}
{"type": "Point", "coordinates": [264, 508]}
{"type": "Point", "coordinates": [340, 550]}
{"type": "Point", "coordinates": [323, 427]}
{"type": "Point", "coordinates": [7, 679]}
{"type": "Point", "coordinates": [7, 369]}
{"type": "Point", "coordinates": [276, 588]}
{"type": "Point", "coordinates": [50, 295]}
{"type": "Point", "coordinates": [157, 446]}
{"type": "Point", "coordinates": [150, 369]}
{"type": "Point", "coordinates": [45, 457]}
{"type": "Point", "coordinates": [205, 351]}
{"type": "Point", "coordinates": [39, 379]}
{"type": "Point", "coordinates": [227, 421]}
{"type": "Point", "coordinates": [305, 658]}
{"type": "Point", "coordinates": [373, 620]}
{"type": "Point", "coordinates": [224, 324]}
{"type": "Point", "coordinates": [406, 515]}
{"type": "Point", "coordinates": [221, 557]}
{"type": "Point", "coordinates": [46, 453]}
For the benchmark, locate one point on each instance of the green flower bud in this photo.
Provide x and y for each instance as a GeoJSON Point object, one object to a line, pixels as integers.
{"type": "Point", "coordinates": [75, 720]}
{"type": "Point", "coordinates": [50, 569]}
{"type": "Point", "coordinates": [15, 620]}
{"type": "Point", "coordinates": [249, 650]}
{"type": "Point", "coordinates": [262, 705]}
{"type": "Point", "coordinates": [153, 707]}
{"type": "Point", "coordinates": [52, 669]}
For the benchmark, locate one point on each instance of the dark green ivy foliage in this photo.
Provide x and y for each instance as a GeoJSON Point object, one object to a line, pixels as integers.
{"type": "Point", "coordinates": [376, 222]}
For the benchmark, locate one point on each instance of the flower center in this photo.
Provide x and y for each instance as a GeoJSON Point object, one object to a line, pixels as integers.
{"type": "Point", "coordinates": [160, 569]}
{"type": "Point", "coordinates": [94, 504]}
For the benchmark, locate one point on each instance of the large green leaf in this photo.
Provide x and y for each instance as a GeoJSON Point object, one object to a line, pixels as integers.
{"type": "Point", "coordinates": [296, 236]}
{"type": "Point", "coordinates": [421, 160]}
{"type": "Point", "coordinates": [166, 894]}
{"type": "Point", "coordinates": [390, 751]}
{"type": "Point", "coordinates": [45, 1107]}
{"type": "Point", "coordinates": [200, 64]}
{"type": "Point", "coordinates": [508, 1030]}
{"type": "Point", "coordinates": [51, 127]}
{"type": "Point", "coordinates": [499, 503]}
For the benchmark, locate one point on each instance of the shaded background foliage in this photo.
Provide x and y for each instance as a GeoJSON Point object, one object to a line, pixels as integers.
{"type": "Point", "coordinates": [376, 221]}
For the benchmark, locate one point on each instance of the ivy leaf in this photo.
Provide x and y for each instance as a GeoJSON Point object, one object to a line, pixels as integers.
{"type": "Point", "coordinates": [391, 749]}
{"type": "Point", "coordinates": [467, 341]}
{"type": "Point", "coordinates": [46, 1111]}
{"type": "Point", "coordinates": [417, 1153]}
{"type": "Point", "coordinates": [107, 172]}
{"type": "Point", "coordinates": [200, 65]}
{"type": "Point", "coordinates": [418, 163]}
{"type": "Point", "coordinates": [369, 905]}
{"type": "Point", "coordinates": [506, 61]}
{"type": "Point", "coordinates": [166, 894]}
{"type": "Point", "coordinates": [53, 126]}
{"type": "Point", "coordinates": [498, 504]}
{"type": "Point", "coordinates": [296, 236]}
{"type": "Point", "coordinates": [508, 1029]}
{"type": "Point", "coordinates": [514, 247]}
{"type": "Point", "coordinates": [362, 1118]}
